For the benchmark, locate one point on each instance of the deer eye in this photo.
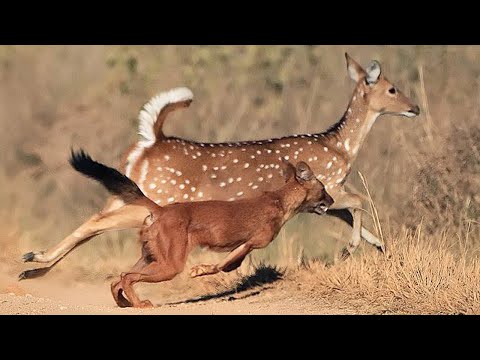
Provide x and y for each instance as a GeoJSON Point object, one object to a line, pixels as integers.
{"type": "Point", "coordinates": [392, 90]}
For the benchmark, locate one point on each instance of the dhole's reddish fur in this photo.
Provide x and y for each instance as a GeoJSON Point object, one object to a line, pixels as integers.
{"type": "Point", "coordinates": [170, 232]}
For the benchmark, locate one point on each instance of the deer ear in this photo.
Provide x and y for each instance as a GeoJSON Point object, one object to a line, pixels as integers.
{"type": "Point", "coordinates": [373, 72]}
{"type": "Point", "coordinates": [355, 71]}
{"type": "Point", "coordinates": [303, 172]}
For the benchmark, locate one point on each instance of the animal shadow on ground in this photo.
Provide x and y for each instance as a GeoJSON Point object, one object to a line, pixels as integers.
{"type": "Point", "coordinates": [263, 274]}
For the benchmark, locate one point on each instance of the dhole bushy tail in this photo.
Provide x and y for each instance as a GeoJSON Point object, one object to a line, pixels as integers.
{"type": "Point", "coordinates": [114, 181]}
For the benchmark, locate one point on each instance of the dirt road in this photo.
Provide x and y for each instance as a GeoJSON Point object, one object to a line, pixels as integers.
{"type": "Point", "coordinates": [57, 295]}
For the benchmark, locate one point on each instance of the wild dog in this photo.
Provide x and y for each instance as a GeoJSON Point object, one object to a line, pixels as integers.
{"type": "Point", "coordinates": [170, 232]}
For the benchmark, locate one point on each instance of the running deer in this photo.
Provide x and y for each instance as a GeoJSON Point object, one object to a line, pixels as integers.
{"type": "Point", "coordinates": [171, 231]}
{"type": "Point", "coordinates": [170, 169]}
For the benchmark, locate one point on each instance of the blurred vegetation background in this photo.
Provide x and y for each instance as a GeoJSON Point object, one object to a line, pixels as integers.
{"type": "Point", "coordinates": [421, 171]}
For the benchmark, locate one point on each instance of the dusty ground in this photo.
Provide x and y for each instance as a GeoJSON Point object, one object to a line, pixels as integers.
{"type": "Point", "coordinates": [54, 294]}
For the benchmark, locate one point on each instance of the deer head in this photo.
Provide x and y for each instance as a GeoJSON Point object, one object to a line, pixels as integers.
{"type": "Point", "coordinates": [379, 94]}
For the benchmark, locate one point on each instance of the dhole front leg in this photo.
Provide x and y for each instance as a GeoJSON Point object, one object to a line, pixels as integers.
{"type": "Point", "coordinates": [231, 262]}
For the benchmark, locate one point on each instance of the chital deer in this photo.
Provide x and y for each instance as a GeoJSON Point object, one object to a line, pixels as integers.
{"type": "Point", "coordinates": [170, 169]}
{"type": "Point", "coordinates": [170, 232]}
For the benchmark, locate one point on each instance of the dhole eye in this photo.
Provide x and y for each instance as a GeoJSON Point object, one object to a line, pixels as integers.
{"type": "Point", "coordinates": [392, 90]}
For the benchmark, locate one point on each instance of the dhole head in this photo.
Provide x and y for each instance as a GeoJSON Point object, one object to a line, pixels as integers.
{"type": "Point", "coordinates": [380, 95]}
{"type": "Point", "coordinates": [318, 200]}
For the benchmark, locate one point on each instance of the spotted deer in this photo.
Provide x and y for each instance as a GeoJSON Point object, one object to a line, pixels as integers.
{"type": "Point", "coordinates": [171, 231]}
{"type": "Point", "coordinates": [170, 169]}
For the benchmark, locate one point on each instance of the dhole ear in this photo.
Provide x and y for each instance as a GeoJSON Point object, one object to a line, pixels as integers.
{"type": "Point", "coordinates": [303, 172]}
{"type": "Point", "coordinates": [288, 170]}
{"type": "Point", "coordinates": [355, 71]}
{"type": "Point", "coordinates": [373, 72]}
{"type": "Point", "coordinates": [148, 220]}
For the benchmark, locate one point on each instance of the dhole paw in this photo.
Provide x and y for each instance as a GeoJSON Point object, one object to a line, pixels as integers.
{"type": "Point", "coordinates": [200, 270]}
{"type": "Point", "coordinates": [145, 304]}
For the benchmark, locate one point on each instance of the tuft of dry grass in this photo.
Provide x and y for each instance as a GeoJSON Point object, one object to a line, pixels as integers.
{"type": "Point", "coordinates": [422, 277]}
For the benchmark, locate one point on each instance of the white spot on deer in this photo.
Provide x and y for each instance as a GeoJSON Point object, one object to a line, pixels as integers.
{"type": "Point", "coordinates": [187, 181]}
{"type": "Point", "coordinates": [269, 176]}
{"type": "Point", "coordinates": [349, 111]}
{"type": "Point", "coordinates": [258, 169]}
{"type": "Point", "coordinates": [178, 173]}
{"type": "Point", "coordinates": [240, 193]}
{"type": "Point", "coordinates": [339, 144]}
{"type": "Point", "coordinates": [277, 151]}
{"type": "Point", "coordinates": [259, 152]}
{"type": "Point", "coordinates": [213, 155]}
{"type": "Point", "coordinates": [158, 201]}
{"type": "Point", "coordinates": [268, 151]}
{"type": "Point", "coordinates": [163, 181]}
{"type": "Point", "coordinates": [192, 198]}
{"type": "Point", "coordinates": [339, 181]}
{"type": "Point", "coordinates": [260, 179]}
{"type": "Point", "coordinates": [181, 186]}
{"type": "Point", "coordinates": [235, 161]}
{"type": "Point", "coordinates": [173, 182]}
{"type": "Point", "coordinates": [286, 157]}
{"type": "Point", "coordinates": [310, 159]}
{"type": "Point", "coordinates": [239, 179]}
{"type": "Point", "coordinates": [194, 157]}
{"type": "Point", "coordinates": [329, 165]}
{"type": "Point", "coordinates": [171, 199]}
{"type": "Point", "coordinates": [254, 187]}
{"type": "Point", "coordinates": [215, 168]}
{"type": "Point", "coordinates": [167, 157]}
{"type": "Point", "coordinates": [230, 180]}
{"type": "Point", "coordinates": [204, 167]}
{"type": "Point", "coordinates": [152, 186]}
{"type": "Point", "coordinates": [185, 196]}
{"type": "Point", "coordinates": [315, 158]}
{"type": "Point", "coordinates": [357, 120]}
{"type": "Point", "coordinates": [339, 171]}
{"type": "Point", "coordinates": [231, 199]}
{"type": "Point", "coordinates": [277, 166]}
{"type": "Point", "coordinates": [287, 145]}
{"type": "Point", "coordinates": [347, 144]}
{"type": "Point", "coordinates": [200, 194]}
{"type": "Point", "coordinates": [351, 130]}
{"type": "Point", "coordinates": [252, 156]}
{"type": "Point", "coordinates": [331, 186]}
{"type": "Point", "coordinates": [222, 184]}
{"type": "Point", "coordinates": [250, 184]}
{"type": "Point", "coordinates": [159, 168]}
{"type": "Point", "coordinates": [246, 165]}
{"type": "Point", "coordinates": [354, 97]}
{"type": "Point", "coordinates": [213, 176]}
{"type": "Point", "coordinates": [334, 158]}
{"type": "Point", "coordinates": [282, 145]}
{"type": "Point", "coordinates": [309, 142]}
{"type": "Point", "coordinates": [262, 166]}
{"type": "Point", "coordinates": [295, 143]}
{"type": "Point", "coordinates": [159, 191]}
{"type": "Point", "coordinates": [191, 147]}
{"type": "Point", "coordinates": [325, 149]}
{"type": "Point", "coordinates": [199, 153]}
{"type": "Point", "coordinates": [223, 167]}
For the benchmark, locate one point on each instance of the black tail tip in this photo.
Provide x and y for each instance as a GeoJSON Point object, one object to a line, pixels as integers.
{"type": "Point", "coordinates": [78, 157]}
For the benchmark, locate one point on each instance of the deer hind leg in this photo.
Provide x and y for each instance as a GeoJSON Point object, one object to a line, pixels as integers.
{"type": "Point", "coordinates": [230, 263]}
{"type": "Point", "coordinates": [125, 217]}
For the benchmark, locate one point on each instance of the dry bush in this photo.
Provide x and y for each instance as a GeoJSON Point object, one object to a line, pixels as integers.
{"type": "Point", "coordinates": [423, 276]}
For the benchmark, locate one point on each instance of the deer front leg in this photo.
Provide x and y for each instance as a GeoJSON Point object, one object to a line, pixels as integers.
{"type": "Point", "coordinates": [354, 204]}
{"type": "Point", "coordinates": [231, 262]}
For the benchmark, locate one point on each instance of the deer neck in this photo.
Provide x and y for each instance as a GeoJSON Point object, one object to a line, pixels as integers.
{"type": "Point", "coordinates": [349, 133]}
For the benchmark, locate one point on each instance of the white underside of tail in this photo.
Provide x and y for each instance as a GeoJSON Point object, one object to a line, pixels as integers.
{"type": "Point", "coordinates": [147, 118]}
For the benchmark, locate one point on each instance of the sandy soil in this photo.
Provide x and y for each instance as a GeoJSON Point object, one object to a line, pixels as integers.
{"type": "Point", "coordinates": [57, 295]}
